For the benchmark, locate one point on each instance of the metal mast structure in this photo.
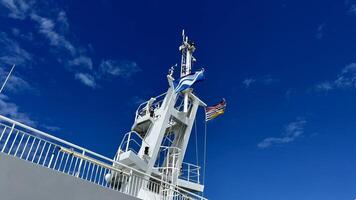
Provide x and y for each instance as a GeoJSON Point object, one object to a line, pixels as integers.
{"type": "Point", "coordinates": [187, 49]}
{"type": "Point", "coordinates": [161, 132]}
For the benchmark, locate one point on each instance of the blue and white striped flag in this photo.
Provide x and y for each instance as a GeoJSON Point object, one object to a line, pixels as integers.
{"type": "Point", "coordinates": [187, 81]}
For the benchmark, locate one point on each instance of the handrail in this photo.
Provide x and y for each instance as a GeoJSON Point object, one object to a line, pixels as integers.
{"type": "Point", "coordinates": [69, 151]}
{"type": "Point", "coordinates": [190, 172]}
{"type": "Point", "coordinates": [127, 139]}
{"type": "Point", "coordinates": [85, 151]}
{"type": "Point", "coordinates": [144, 103]}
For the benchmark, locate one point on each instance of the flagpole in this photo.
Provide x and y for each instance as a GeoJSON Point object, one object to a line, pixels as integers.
{"type": "Point", "coordinates": [7, 78]}
{"type": "Point", "coordinates": [205, 148]}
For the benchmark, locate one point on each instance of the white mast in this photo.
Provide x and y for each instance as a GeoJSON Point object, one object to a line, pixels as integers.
{"type": "Point", "coordinates": [187, 48]}
{"type": "Point", "coordinates": [164, 125]}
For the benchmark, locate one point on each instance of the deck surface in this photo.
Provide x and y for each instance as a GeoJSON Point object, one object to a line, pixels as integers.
{"type": "Point", "coordinates": [20, 179]}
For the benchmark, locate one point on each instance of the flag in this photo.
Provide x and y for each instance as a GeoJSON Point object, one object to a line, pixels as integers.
{"type": "Point", "coordinates": [214, 111]}
{"type": "Point", "coordinates": [187, 81]}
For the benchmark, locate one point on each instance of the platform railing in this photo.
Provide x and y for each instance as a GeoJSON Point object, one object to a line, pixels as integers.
{"type": "Point", "coordinates": [190, 172]}
{"type": "Point", "coordinates": [132, 141]}
{"type": "Point", "coordinates": [167, 163]}
{"type": "Point", "coordinates": [43, 149]}
{"type": "Point", "coordinates": [142, 108]}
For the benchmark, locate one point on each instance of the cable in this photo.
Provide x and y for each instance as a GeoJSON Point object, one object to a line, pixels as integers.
{"type": "Point", "coordinates": [205, 142]}
{"type": "Point", "coordinates": [196, 142]}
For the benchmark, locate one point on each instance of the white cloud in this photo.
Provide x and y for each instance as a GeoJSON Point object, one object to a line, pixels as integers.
{"type": "Point", "coordinates": [12, 110]}
{"type": "Point", "coordinates": [86, 79]}
{"type": "Point", "coordinates": [264, 80]}
{"type": "Point", "coordinates": [82, 61]}
{"type": "Point", "coordinates": [267, 80]}
{"type": "Point", "coordinates": [18, 9]}
{"type": "Point", "coordinates": [292, 131]}
{"type": "Point", "coordinates": [47, 28]}
{"type": "Point", "coordinates": [248, 81]}
{"type": "Point", "coordinates": [107, 68]}
{"type": "Point", "coordinates": [123, 69]}
{"type": "Point", "coordinates": [52, 23]}
{"type": "Point", "coordinates": [11, 52]}
{"type": "Point", "coordinates": [23, 36]}
{"type": "Point", "coordinates": [345, 79]}
{"type": "Point", "coordinates": [137, 100]}
{"type": "Point", "coordinates": [15, 83]}
{"type": "Point", "coordinates": [324, 86]}
{"type": "Point", "coordinates": [63, 21]}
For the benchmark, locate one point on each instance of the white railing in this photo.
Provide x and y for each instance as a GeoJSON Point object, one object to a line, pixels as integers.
{"type": "Point", "coordinates": [40, 148]}
{"type": "Point", "coordinates": [167, 163]}
{"type": "Point", "coordinates": [142, 108]}
{"type": "Point", "coordinates": [190, 172]}
{"type": "Point", "coordinates": [132, 141]}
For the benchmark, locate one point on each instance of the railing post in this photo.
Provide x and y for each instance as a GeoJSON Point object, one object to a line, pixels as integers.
{"type": "Point", "coordinates": [80, 165]}
{"type": "Point", "coordinates": [188, 172]}
{"type": "Point", "coordinates": [128, 142]}
{"type": "Point", "coordinates": [3, 132]}
{"type": "Point", "coordinates": [51, 159]}
{"type": "Point", "coordinates": [8, 137]}
{"type": "Point", "coordinates": [198, 171]}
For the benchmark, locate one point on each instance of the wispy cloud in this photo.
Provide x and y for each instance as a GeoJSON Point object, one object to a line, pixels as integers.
{"type": "Point", "coordinates": [82, 61]}
{"type": "Point", "coordinates": [324, 86]}
{"type": "Point", "coordinates": [56, 39]}
{"type": "Point", "coordinates": [52, 24]}
{"type": "Point", "coordinates": [19, 9]}
{"type": "Point", "coordinates": [63, 21]}
{"type": "Point", "coordinates": [15, 84]}
{"type": "Point", "coordinates": [292, 131]}
{"type": "Point", "coordinates": [248, 81]}
{"type": "Point", "coordinates": [345, 79]}
{"type": "Point", "coordinates": [107, 69]}
{"type": "Point", "coordinates": [265, 80]}
{"type": "Point", "coordinates": [123, 69]}
{"type": "Point", "coordinates": [137, 100]}
{"type": "Point", "coordinates": [86, 79]}
{"type": "Point", "coordinates": [12, 110]}
{"type": "Point", "coordinates": [11, 52]}
{"type": "Point", "coordinates": [320, 31]}
{"type": "Point", "coordinates": [22, 36]}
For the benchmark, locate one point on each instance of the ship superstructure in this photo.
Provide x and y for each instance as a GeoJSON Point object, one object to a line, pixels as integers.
{"type": "Point", "coordinates": [149, 163]}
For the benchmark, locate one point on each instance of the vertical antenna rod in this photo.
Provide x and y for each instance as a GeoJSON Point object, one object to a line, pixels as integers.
{"type": "Point", "coordinates": [187, 48]}
{"type": "Point", "coordinates": [7, 78]}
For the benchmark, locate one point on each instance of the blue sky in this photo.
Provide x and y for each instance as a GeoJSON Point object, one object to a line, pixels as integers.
{"type": "Point", "coordinates": [286, 68]}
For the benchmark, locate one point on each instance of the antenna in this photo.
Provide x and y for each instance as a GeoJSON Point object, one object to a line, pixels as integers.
{"type": "Point", "coordinates": [187, 49]}
{"type": "Point", "coordinates": [183, 35]}
{"type": "Point", "coordinates": [7, 78]}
